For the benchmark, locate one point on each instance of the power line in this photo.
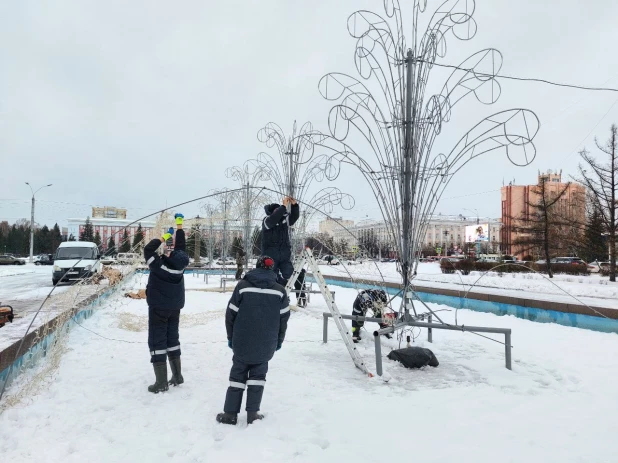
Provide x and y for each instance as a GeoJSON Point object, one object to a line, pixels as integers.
{"type": "Point", "coordinates": [524, 79]}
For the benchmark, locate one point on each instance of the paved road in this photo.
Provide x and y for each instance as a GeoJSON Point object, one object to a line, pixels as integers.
{"type": "Point", "coordinates": [27, 291]}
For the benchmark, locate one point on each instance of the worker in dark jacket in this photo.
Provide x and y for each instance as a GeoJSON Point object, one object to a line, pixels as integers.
{"type": "Point", "coordinates": [239, 265]}
{"type": "Point", "coordinates": [165, 295]}
{"type": "Point", "coordinates": [256, 321]}
{"type": "Point", "coordinates": [369, 299]}
{"type": "Point", "coordinates": [299, 285]}
{"type": "Point", "coordinates": [276, 236]}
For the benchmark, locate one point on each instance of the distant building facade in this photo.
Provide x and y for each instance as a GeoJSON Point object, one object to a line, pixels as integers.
{"type": "Point", "coordinates": [108, 222]}
{"type": "Point", "coordinates": [108, 212]}
{"type": "Point", "coordinates": [444, 231]}
{"type": "Point", "coordinates": [330, 226]}
{"type": "Point", "coordinates": [516, 210]}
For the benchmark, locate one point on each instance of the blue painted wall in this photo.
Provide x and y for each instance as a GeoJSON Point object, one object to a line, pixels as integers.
{"type": "Point", "coordinates": [588, 322]}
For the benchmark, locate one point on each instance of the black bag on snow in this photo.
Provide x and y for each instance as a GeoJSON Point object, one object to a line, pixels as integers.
{"type": "Point", "coordinates": [414, 357]}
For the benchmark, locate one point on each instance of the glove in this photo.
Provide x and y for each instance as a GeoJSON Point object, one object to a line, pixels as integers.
{"type": "Point", "coordinates": [170, 230]}
{"type": "Point", "coordinates": [229, 343]}
{"type": "Point", "coordinates": [279, 344]}
{"type": "Point", "coordinates": [166, 237]}
{"type": "Point", "coordinates": [179, 219]}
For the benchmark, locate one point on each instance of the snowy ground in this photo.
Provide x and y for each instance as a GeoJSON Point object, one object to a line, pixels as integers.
{"type": "Point", "coordinates": [26, 291]}
{"type": "Point", "coordinates": [10, 270]}
{"type": "Point", "coordinates": [593, 290]}
{"type": "Point", "coordinates": [558, 404]}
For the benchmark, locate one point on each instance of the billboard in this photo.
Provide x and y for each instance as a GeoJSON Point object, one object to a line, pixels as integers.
{"type": "Point", "coordinates": [476, 233]}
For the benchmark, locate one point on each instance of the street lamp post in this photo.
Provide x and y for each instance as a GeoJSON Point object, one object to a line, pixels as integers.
{"type": "Point", "coordinates": [32, 219]}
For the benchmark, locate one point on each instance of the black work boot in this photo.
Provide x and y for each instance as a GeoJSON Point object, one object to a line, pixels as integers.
{"type": "Point", "coordinates": [356, 334]}
{"type": "Point", "coordinates": [160, 385]}
{"type": "Point", "coordinates": [176, 375]}
{"type": "Point", "coordinates": [227, 418]}
{"type": "Point", "coordinates": [253, 416]}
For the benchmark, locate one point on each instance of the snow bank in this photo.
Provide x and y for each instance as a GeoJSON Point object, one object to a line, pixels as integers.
{"type": "Point", "coordinates": [592, 290]}
{"type": "Point", "coordinates": [556, 404]}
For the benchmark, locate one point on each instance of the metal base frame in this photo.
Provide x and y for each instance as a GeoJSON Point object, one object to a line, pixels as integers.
{"type": "Point", "coordinates": [430, 327]}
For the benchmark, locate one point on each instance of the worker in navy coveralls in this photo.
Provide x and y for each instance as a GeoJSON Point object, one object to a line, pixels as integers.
{"type": "Point", "coordinates": [276, 236]}
{"type": "Point", "coordinates": [165, 295]}
{"type": "Point", "coordinates": [256, 321]}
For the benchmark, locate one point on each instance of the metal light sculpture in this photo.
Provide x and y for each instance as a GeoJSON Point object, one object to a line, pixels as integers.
{"type": "Point", "coordinates": [295, 170]}
{"type": "Point", "coordinates": [398, 123]}
{"type": "Point", "coordinates": [250, 201]}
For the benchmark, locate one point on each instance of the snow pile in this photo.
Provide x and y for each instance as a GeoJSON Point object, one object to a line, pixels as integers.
{"type": "Point", "coordinates": [592, 290]}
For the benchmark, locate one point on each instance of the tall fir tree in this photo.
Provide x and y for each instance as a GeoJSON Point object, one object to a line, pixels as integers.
{"type": "Point", "coordinates": [126, 243]}
{"type": "Point", "coordinates": [139, 236]}
{"type": "Point", "coordinates": [88, 233]}
{"type": "Point", "coordinates": [594, 245]}
{"type": "Point", "coordinates": [42, 241]}
{"type": "Point", "coordinates": [56, 238]}
{"type": "Point", "coordinates": [97, 239]}
{"type": "Point", "coordinates": [111, 246]}
{"type": "Point", "coordinates": [237, 247]}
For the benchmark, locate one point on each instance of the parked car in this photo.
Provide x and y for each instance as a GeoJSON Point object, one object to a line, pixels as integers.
{"type": "Point", "coordinates": [108, 260]}
{"type": "Point", "coordinates": [75, 260]}
{"type": "Point", "coordinates": [45, 259]}
{"type": "Point", "coordinates": [127, 257]}
{"type": "Point", "coordinates": [227, 261]}
{"type": "Point", "coordinates": [7, 259]}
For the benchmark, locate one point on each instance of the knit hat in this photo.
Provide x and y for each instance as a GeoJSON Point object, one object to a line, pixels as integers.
{"type": "Point", "coordinates": [265, 262]}
{"type": "Point", "coordinates": [270, 208]}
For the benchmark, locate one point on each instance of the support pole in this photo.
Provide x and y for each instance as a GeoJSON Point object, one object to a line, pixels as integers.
{"type": "Point", "coordinates": [376, 338]}
{"type": "Point", "coordinates": [325, 328]}
{"type": "Point", "coordinates": [407, 179]}
{"type": "Point", "coordinates": [430, 330]}
{"type": "Point", "coordinates": [507, 350]}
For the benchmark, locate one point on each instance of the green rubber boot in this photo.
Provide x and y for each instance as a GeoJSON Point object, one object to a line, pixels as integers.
{"type": "Point", "coordinates": [176, 375]}
{"type": "Point", "coordinates": [160, 385]}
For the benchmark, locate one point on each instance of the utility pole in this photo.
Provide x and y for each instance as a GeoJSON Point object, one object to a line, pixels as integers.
{"type": "Point", "coordinates": [248, 247]}
{"type": "Point", "coordinates": [32, 220]}
{"type": "Point", "coordinates": [198, 240]}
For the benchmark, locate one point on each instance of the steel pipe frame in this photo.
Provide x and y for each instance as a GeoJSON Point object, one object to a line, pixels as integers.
{"type": "Point", "coordinates": [430, 326]}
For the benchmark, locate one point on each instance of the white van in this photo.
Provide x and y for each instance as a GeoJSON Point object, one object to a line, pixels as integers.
{"type": "Point", "coordinates": [75, 260]}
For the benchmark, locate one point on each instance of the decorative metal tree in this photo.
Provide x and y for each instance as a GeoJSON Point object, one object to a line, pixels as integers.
{"type": "Point", "coordinates": [400, 123]}
{"type": "Point", "coordinates": [249, 201]}
{"type": "Point", "coordinates": [295, 171]}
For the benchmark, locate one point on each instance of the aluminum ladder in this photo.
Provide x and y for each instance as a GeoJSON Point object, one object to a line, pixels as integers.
{"type": "Point", "coordinates": [306, 257]}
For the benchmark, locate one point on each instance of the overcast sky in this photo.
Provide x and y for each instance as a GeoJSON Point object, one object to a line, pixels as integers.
{"type": "Point", "coordinates": [143, 104]}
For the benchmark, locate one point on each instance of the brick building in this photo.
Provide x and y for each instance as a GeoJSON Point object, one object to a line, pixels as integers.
{"type": "Point", "coordinates": [516, 210]}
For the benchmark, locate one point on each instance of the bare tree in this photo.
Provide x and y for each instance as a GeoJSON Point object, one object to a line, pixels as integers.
{"type": "Point", "coordinates": [602, 181]}
{"type": "Point", "coordinates": [543, 230]}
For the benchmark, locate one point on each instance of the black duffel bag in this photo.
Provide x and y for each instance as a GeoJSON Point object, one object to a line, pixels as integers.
{"type": "Point", "coordinates": [414, 357]}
